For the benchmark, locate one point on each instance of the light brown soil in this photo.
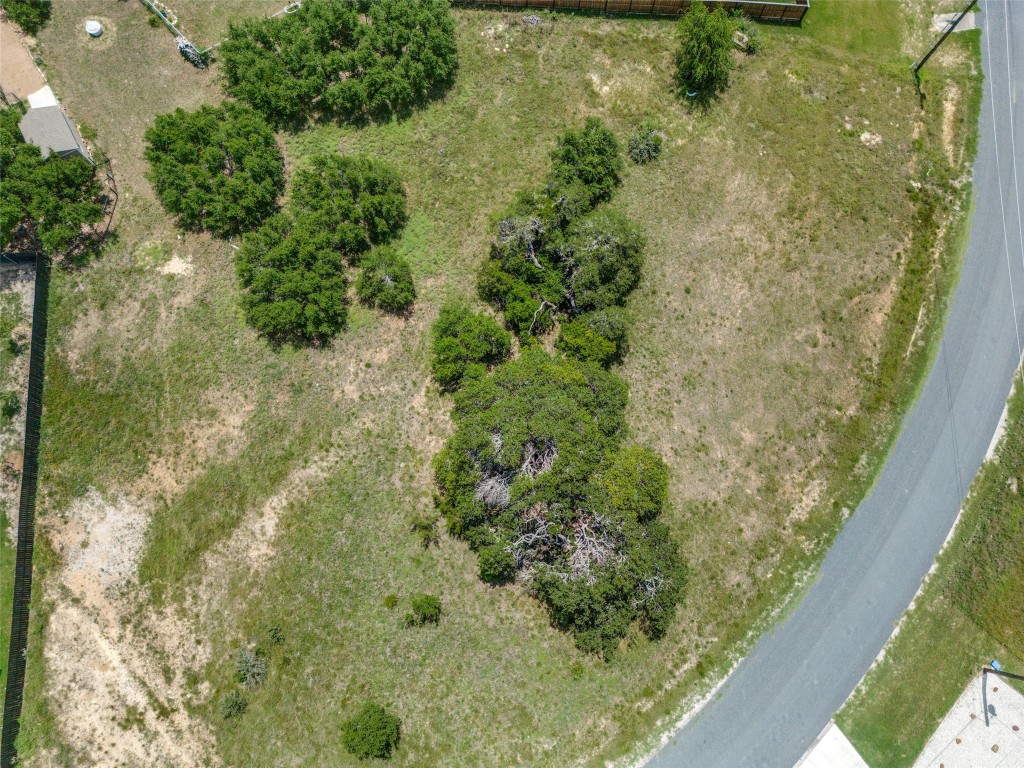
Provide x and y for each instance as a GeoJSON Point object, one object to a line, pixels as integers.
{"type": "Point", "coordinates": [19, 75]}
{"type": "Point", "coordinates": [118, 689]}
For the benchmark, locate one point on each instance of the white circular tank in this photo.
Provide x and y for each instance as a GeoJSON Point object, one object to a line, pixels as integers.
{"type": "Point", "coordinates": [94, 28]}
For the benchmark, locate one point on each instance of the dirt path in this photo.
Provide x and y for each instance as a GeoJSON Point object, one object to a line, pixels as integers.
{"type": "Point", "coordinates": [19, 75]}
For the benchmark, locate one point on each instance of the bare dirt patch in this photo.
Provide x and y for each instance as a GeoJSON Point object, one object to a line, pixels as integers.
{"type": "Point", "coordinates": [19, 75]}
{"type": "Point", "coordinates": [117, 689]}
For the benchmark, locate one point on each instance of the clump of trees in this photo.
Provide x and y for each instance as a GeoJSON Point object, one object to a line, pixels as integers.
{"type": "Point", "coordinates": [53, 198]}
{"type": "Point", "coordinates": [294, 266]}
{"type": "Point", "coordinates": [537, 477]}
{"type": "Point", "coordinates": [347, 59]}
{"type": "Point", "coordinates": [704, 59]}
{"type": "Point", "coordinates": [555, 255]}
{"type": "Point", "coordinates": [371, 732]}
{"type": "Point", "coordinates": [466, 342]}
{"type": "Point", "coordinates": [217, 168]}
{"type": "Point", "coordinates": [30, 15]}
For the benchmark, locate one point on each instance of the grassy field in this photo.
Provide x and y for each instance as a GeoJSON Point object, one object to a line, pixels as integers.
{"type": "Point", "coordinates": [794, 279]}
{"type": "Point", "coordinates": [969, 613]}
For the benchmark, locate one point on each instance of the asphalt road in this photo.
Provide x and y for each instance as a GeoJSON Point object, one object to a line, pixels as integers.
{"type": "Point", "coordinates": [785, 692]}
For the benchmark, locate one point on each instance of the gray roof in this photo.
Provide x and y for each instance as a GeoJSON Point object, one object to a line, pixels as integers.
{"type": "Point", "coordinates": [50, 130]}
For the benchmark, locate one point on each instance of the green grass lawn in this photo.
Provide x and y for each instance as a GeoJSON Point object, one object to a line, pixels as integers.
{"type": "Point", "coordinates": [777, 336]}
{"type": "Point", "coordinates": [969, 613]}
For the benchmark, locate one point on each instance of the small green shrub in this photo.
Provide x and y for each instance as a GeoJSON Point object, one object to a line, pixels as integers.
{"type": "Point", "coordinates": [426, 609]}
{"type": "Point", "coordinates": [386, 281]}
{"type": "Point", "coordinates": [30, 15]}
{"type": "Point", "coordinates": [425, 527]}
{"type": "Point", "coordinates": [233, 705]}
{"type": "Point", "coordinates": [497, 564]}
{"type": "Point", "coordinates": [390, 601]}
{"type": "Point", "coordinates": [250, 668]}
{"type": "Point", "coordinates": [10, 404]}
{"type": "Point", "coordinates": [461, 338]}
{"type": "Point", "coordinates": [645, 145]}
{"type": "Point", "coordinates": [372, 732]}
{"type": "Point", "coordinates": [275, 634]}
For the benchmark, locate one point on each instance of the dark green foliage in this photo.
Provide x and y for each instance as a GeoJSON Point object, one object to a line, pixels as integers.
{"type": "Point", "coordinates": [218, 168]}
{"type": "Point", "coordinates": [425, 527]}
{"type": "Point", "coordinates": [577, 339]}
{"type": "Point", "coordinates": [390, 601]}
{"type": "Point", "coordinates": [372, 732]}
{"type": "Point", "coordinates": [359, 200]}
{"type": "Point", "coordinates": [636, 483]}
{"type": "Point", "coordinates": [10, 404]}
{"type": "Point", "coordinates": [426, 609]}
{"type": "Point", "coordinates": [645, 145]}
{"type": "Point", "coordinates": [556, 256]}
{"type": "Point", "coordinates": [606, 252]}
{"type": "Point", "coordinates": [30, 15]}
{"type": "Point", "coordinates": [461, 338]}
{"type": "Point", "coordinates": [294, 280]}
{"type": "Point", "coordinates": [233, 705]}
{"type": "Point", "coordinates": [348, 59]}
{"type": "Point", "coordinates": [385, 281]}
{"type": "Point", "coordinates": [591, 157]}
{"type": "Point", "coordinates": [524, 474]}
{"type": "Point", "coordinates": [704, 59]}
{"type": "Point", "coordinates": [56, 196]}
{"type": "Point", "coordinates": [250, 667]}
{"type": "Point", "coordinates": [497, 564]}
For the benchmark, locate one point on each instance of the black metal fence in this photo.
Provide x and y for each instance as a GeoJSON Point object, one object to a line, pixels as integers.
{"type": "Point", "coordinates": [16, 657]}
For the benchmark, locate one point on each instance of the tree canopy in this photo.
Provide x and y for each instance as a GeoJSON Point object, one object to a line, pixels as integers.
{"type": "Point", "coordinates": [704, 59]}
{"type": "Point", "coordinates": [462, 338]}
{"type": "Point", "coordinates": [217, 168]}
{"type": "Point", "coordinates": [371, 732]}
{"type": "Point", "coordinates": [294, 280]}
{"type": "Point", "coordinates": [56, 197]}
{"type": "Point", "coordinates": [385, 281]}
{"type": "Point", "coordinates": [358, 199]}
{"type": "Point", "coordinates": [344, 59]}
{"type": "Point", "coordinates": [536, 469]}
{"type": "Point", "coordinates": [293, 267]}
{"type": "Point", "coordinates": [30, 15]}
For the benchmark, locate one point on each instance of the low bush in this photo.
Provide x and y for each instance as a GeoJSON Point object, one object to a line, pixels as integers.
{"type": "Point", "coordinates": [497, 564]}
{"type": "Point", "coordinates": [426, 609]}
{"type": "Point", "coordinates": [218, 168]}
{"type": "Point", "coordinates": [10, 404]}
{"type": "Point", "coordinates": [645, 145]}
{"type": "Point", "coordinates": [590, 157]}
{"type": "Point", "coordinates": [425, 528]}
{"type": "Point", "coordinates": [250, 668]}
{"type": "Point", "coordinates": [461, 338]}
{"type": "Point", "coordinates": [372, 732]}
{"type": "Point", "coordinates": [348, 59]}
{"type": "Point", "coordinates": [385, 281]}
{"type": "Point", "coordinates": [30, 15]}
{"type": "Point", "coordinates": [577, 339]}
{"type": "Point", "coordinates": [233, 705]}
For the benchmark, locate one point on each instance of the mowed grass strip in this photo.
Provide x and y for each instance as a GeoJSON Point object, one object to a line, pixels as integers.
{"type": "Point", "coordinates": [779, 243]}
{"type": "Point", "coordinates": [969, 613]}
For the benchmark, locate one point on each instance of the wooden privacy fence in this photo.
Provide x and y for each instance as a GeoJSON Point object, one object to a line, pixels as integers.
{"type": "Point", "coordinates": [790, 13]}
